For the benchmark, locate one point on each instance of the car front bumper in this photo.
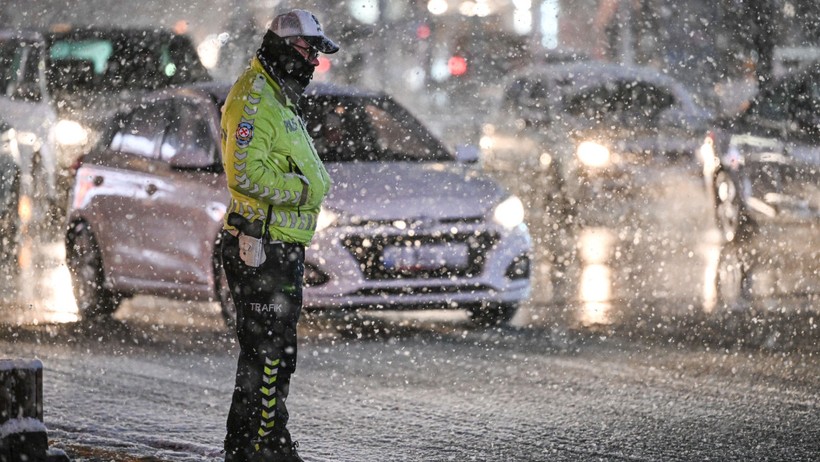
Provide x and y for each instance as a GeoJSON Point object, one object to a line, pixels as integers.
{"type": "Point", "coordinates": [351, 282]}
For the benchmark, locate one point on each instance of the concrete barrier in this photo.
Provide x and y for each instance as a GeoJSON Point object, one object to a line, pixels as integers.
{"type": "Point", "coordinates": [23, 435]}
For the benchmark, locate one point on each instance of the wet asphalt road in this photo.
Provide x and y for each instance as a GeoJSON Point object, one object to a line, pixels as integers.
{"type": "Point", "coordinates": [401, 389]}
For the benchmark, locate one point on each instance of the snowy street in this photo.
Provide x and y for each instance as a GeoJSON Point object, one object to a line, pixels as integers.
{"type": "Point", "coordinates": [649, 365]}
{"type": "Point", "coordinates": [431, 390]}
{"type": "Point", "coordinates": [596, 223]}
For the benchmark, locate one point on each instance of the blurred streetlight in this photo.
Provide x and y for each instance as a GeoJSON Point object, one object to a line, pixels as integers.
{"type": "Point", "coordinates": [437, 7]}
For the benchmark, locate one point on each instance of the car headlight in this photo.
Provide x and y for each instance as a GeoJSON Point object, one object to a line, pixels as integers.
{"type": "Point", "coordinates": [488, 136]}
{"type": "Point", "coordinates": [326, 218]}
{"type": "Point", "coordinates": [707, 150]}
{"type": "Point", "coordinates": [509, 213]}
{"type": "Point", "coordinates": [593, 154]}
{"type": "Point", "coordinates": [486, 142]}
{"type": "Point", "coordinates": [70, 133]}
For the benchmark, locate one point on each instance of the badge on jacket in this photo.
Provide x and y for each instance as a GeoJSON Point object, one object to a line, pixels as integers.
{"type": "Point", "coordinates": [244, 134]}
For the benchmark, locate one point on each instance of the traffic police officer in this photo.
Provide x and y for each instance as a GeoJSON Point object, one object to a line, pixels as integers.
{"type": "Point", "coordinates": [277, 183]}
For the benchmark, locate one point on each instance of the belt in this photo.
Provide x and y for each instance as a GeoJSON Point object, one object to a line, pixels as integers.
{"type": "Point", "coordinates": [235, 233]}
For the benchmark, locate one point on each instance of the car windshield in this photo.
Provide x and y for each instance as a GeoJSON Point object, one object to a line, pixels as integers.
{"type": "Point", "coordinates": [794, 97]}
{"type": "Point", "coordinates": [117, 62]}
{"type": "Point", "coordinates": [369, 129]}
{"type": "Point", "coordinates": [621, 100]}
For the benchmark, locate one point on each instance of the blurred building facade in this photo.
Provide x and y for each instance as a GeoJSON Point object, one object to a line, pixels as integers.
{"type": "Point", "coordinates": [450, 55]}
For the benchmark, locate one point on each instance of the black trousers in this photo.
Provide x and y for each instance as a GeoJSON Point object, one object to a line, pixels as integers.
{"type": "Point", "coordinates": [268, 303]}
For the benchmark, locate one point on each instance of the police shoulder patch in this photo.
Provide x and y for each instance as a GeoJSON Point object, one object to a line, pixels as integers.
{"type": "Point", "coordinates": [244, 134]}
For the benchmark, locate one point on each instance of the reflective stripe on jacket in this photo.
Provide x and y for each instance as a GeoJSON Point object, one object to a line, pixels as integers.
{"type": "Point", "coordinates": [269, 158]}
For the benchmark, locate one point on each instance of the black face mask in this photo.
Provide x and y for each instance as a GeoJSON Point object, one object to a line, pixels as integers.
{"type": "Point", "coordinates": [282, 61]}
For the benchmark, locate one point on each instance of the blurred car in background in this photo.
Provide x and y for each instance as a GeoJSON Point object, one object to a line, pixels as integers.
{"type": "Point", "coordinates": [762, 168]}
{"type": "Point", "coordinates": [58, 86]}
{"type": "Point", "coordinates": [9, 196]}
{"type": "Point", "coordinates": [405, 225]}
{"type": "Point", "coordinates": [575, 139]}
{"type": "Point", "coordinates": [761, 171]}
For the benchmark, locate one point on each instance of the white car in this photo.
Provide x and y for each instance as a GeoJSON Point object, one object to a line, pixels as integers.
{"type": "Point", "coordinates": [406, 225]}
{"type": "Point", "coordinates": [583, 138]}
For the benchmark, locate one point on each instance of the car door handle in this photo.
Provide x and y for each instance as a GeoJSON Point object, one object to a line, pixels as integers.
{"type": "Point", "coordinates": [151, 189]}
{"type": "Point", "coordinates": [98, 180]}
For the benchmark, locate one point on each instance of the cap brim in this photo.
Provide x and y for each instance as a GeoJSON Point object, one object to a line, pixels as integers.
{"type": "Point", "coordinates": [323, 44]}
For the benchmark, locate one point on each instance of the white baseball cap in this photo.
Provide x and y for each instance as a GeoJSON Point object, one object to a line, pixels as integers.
{"type": "Point", "coordinates": [303, 24]}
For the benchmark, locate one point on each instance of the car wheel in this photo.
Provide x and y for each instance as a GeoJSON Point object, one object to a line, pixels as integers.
{"type": "Point", "coordinates": [729, 215]}
{"type": "Point", "coordinates": [733, 281]}
{"type": "Point", "coordinates": [223, 293]}
{"type": "Point", "coordinates": [493, 314]}
{"type": "Point", "coordinates": [84, 261]}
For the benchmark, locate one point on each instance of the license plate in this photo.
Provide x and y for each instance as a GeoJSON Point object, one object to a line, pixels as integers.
{"type": "Point", "coordinates": [425, 257]}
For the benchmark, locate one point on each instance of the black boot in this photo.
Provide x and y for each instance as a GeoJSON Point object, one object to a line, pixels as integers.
{"type": "Point", "coordinates": [280, 450]}
{"type": "Point", "coordinates": [289, 454]}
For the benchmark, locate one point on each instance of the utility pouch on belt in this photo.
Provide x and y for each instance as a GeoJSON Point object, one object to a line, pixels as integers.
{"type": "Point", "coordinates": [251, 250]}
{"type": "Point", "coordinates": [251, 238]}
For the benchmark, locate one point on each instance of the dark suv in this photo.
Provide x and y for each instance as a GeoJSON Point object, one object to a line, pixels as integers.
{"type": "Point", "coordinates": [58, 86]}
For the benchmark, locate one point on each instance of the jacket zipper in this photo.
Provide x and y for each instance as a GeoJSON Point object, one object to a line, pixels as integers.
{"type": "Point", "coordinates": [291, 165]}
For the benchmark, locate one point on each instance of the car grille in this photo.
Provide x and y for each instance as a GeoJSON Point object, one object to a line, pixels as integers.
{"type": "Point", "coordinates": [440, 289]}
{"type": "Point", "coordinates": [412, 223]}
{"type": "Point", "coordinates": [369, 252]}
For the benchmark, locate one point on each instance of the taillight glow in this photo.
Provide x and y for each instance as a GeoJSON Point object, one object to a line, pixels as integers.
{"type": "Point", "coordinates": [457, 65]}
{"type": "Point", "coordinates": [324, 65]}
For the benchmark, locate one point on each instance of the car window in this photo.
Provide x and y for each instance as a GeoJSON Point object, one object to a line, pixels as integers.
{"type": "Point", "coordinates": [117, 62]}
{"type": "Point", "coordinates": [647, 98]}
{"type": "Point", "coordinates": [71, 74]}
{"type": "Point", "coordinates": [527, 93]}
{"type": "Point", "coordinates": [189, 129]}
{"type": "Point", "coordinates": [369, 130]}
{"type": "Point", "coordinates": [396, 138]}
{"type": "Point", "coordinates": [806, 98]}
{"type": "Point", "coordinates": [614, 99]}
{"type": "Point", "coordinates": [11, 57]}
{"type": "Point", "coordinates": [19, 74]}
{"type": "Point", "coordinates": [805, 124]}
{"type": "Point", "coordinates": [528, 98]}
{"type": "Point", "coordinates": [180, 62]}
{"type": "Point", "coordinates": [142, 130]}
{"type": "Point", "coordinates": [95, 51]}
{"type": "Point", "coordinates": [777, 102]}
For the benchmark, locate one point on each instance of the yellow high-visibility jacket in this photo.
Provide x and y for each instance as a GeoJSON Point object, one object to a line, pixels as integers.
{"type": "Point", "coordinates": [269, 158]}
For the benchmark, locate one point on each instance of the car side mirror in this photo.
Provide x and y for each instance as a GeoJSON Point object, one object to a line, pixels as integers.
{"type": "Point", "coordinates": [467, 153]}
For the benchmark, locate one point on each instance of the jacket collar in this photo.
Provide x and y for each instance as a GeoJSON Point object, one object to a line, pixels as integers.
{"type": "Point", "coordinates": [281, 90]}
